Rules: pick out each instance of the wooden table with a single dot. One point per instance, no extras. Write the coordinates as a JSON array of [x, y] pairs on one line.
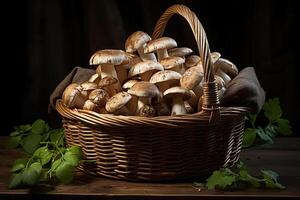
[[283, 157]]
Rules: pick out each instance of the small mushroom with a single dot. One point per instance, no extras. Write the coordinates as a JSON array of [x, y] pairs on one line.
[[180, 52], [117, 104], [227, 67], [188, 107], [72, 96], [90, 105], [99, 97], [161, 46], [137, 42], [177, 96], [145, 92], [191, 80], [147, 111], [127, 85], [95, 78], [165, 79], [220, 86], [145, 69], [193, 101], [87, 87], [215, 56], [224, 76], [173, 63], [109, 84]]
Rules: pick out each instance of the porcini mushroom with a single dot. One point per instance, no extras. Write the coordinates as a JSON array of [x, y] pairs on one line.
[[145, 69], [128, 84], [191, 80], [173, 63], [147, 111], [180, 52], [177, 96], [72, 96], [99, 97], [117, 104], [161, 46], [109, 84], [165, 79], [95, 78], [227, 67], [90, 105], [87, 87], [145, 91], [137, 42]]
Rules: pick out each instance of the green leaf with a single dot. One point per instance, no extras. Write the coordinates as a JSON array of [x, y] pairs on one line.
[[220, 179], [38, 127], [15, 133], [15, 181], [263, 135], [44, 154], [30, 175], [18, 165], [251, 118], [76, 150], [57, 136], [272, 109], [284, 127], [245, 176], [55, 164], [270, 178], [25, 128], [271, 130], [31, 143], [14, 141], [71, 158], [65, 172], [249, 137]]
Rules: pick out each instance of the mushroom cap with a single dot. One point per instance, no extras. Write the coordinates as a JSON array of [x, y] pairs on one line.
[[164, 76], [128, 84], [192, 61], [109, 56], [220, 82], [191, 78], [117, 101], [147, 111], [171, 62], [160, 43], [177, 91], [90, 105], [71, 92], [143, 67], [136, 40], [86, 86], [215, 56], [106, 81], [134, 59], [99, 97], [144, 89], [227, 67], [180, 51], [95, 78]]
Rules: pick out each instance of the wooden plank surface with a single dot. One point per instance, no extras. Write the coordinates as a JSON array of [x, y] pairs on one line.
[[283, 157]]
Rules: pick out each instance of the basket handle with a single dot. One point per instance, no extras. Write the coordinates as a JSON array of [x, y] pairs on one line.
[[210, 95]]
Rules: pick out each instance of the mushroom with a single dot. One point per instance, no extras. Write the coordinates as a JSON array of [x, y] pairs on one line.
[[165, 79], [191, 80], [72, 96], [224, 76], [127, 85], [180, 52], [161, 46], [90, 105], [215, 56], [122, 69], [177, 96], [173, 63], [117, 104], [137, 42], [161, 108], [147, 111], [99, 97], [193, 101], [87, 87], [145, 91], [227, 67], [145, 69], [109, 84], [95, 78]]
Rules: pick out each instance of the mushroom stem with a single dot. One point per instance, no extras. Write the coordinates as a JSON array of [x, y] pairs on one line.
[[178, 107], [161, 54], [108, 69], [146, 76], [141, 102], [121, 73], [146, 56], [163, 87]]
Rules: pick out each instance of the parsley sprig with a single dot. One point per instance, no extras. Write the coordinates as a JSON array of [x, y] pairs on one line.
[[48, 160], [276, 125]]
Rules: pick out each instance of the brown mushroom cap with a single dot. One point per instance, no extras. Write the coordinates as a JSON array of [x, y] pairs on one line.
[[180, 51], [107, 81], [110, 56], [87, 86], [72, 94], [215, 56], [128, 84], [164, 76], [192, 61], [220, 82], [90, 105], [95, 78], [171, 62], [143, 67], [147, 111], [99, 97], [136, 40], [117, 101], [177, 91], [144, 89], [191, 78], [160, 43], [226, 66]]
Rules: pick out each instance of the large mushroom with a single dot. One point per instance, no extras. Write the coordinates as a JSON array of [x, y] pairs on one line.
[[137, 42], [99, 97], [117, 104], [128, 84], [177, 96], [145, 69], [145, 92], [72, 96], [165, 79], [191, 80], [180, 52], [173, 63], [161, 46]]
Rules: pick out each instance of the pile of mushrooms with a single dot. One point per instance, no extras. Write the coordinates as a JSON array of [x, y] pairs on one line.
[[150, 78]]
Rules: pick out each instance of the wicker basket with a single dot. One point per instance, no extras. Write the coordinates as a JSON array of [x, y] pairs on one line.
[[165, 147]]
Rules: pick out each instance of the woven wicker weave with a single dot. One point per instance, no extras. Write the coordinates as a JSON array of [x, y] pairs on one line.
[[164, 147]]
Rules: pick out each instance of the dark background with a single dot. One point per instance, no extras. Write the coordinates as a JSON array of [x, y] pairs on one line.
[[43, 40]]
